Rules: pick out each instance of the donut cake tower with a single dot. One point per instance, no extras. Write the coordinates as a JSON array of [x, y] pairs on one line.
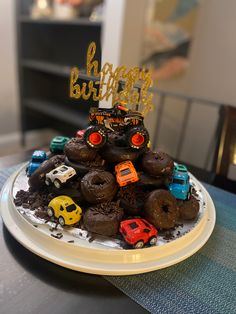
[[108, 181]]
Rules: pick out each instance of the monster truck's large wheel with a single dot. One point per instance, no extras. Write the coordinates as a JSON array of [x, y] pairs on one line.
[[137, 137], [95, 136]]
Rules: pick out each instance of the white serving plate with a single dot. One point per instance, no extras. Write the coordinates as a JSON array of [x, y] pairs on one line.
[[97, 258]]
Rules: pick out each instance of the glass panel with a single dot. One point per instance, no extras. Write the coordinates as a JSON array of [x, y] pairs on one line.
[[133, 225], [124, 172], [71, 208], [178, 181]]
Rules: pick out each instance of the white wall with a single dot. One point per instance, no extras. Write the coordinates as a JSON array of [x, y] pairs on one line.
[[213, 57], [8, 83], [121, 34], [211, 75]]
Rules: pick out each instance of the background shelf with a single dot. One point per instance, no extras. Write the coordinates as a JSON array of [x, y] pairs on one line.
[[47, 50], [55, 69], [81, 21], [80, 120]]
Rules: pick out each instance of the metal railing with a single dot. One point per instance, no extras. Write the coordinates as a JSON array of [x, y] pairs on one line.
[[190, 102]]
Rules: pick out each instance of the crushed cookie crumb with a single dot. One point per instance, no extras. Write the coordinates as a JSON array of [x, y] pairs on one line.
[[57, 236]]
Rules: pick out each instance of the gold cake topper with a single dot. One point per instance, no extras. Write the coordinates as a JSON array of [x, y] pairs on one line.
[[120, 84]]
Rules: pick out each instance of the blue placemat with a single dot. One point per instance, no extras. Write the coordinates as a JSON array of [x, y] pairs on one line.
[[204, 283], [5, 173]]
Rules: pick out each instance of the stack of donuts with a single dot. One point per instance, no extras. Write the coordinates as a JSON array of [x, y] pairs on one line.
[[104, 203]]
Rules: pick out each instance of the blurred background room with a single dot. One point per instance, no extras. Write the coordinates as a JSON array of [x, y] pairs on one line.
[[188, 45]]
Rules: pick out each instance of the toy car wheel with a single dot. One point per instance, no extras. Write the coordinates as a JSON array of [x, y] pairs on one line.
[[189, 193], [47, 182], [153, 240], [57, 183], [61, 221], [50, 212], [137, 137], [139, 244], [95, 136]]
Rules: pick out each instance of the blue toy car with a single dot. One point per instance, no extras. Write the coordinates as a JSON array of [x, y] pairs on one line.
[[38, 157], [180, 187]]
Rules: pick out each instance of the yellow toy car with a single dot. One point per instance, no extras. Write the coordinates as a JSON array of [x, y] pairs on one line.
[[65, 209]]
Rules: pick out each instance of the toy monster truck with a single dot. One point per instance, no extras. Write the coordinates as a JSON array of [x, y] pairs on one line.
[[103, 120]]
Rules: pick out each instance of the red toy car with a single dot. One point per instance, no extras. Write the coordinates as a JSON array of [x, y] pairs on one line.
[[80, 133], [138, 232]]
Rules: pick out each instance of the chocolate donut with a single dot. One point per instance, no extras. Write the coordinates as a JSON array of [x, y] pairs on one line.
[[98, 186], [76, 150], [116, 138], [188, 209], [157, 163], [161, 209], [71, 188], [37, 179], [104, 218], [145, 180], [132, 199], [84, 167], [115, 154]]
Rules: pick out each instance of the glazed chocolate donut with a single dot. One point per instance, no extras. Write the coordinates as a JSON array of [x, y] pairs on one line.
[[76, 150], [188, 209], [37, 179], [71, 188], [84, 167], [115, 154], [98, 186], [161, 209], [132, 199], [157, 163], [104, 218], [80, 169], [117, 139], [146, 180]]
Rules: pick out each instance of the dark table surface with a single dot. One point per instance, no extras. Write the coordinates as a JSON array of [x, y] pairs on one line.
[[29, 284]]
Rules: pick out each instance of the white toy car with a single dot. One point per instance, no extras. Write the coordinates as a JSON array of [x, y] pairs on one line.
[[60, 175]]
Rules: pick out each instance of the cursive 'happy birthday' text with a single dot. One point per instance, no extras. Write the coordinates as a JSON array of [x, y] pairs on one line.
[[120, 83]]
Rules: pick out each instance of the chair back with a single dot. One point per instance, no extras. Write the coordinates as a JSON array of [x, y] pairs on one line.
[[226, 146]]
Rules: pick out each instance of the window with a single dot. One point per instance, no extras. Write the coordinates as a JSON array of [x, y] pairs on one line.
[[178, 181], [63, 168], [146, 223], [146, 230], [61, 208], [71, 208], [58, 140], [133, 225], [124, 172], [55, 172]]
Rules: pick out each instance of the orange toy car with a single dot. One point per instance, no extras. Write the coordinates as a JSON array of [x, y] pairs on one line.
[[126, 173]]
